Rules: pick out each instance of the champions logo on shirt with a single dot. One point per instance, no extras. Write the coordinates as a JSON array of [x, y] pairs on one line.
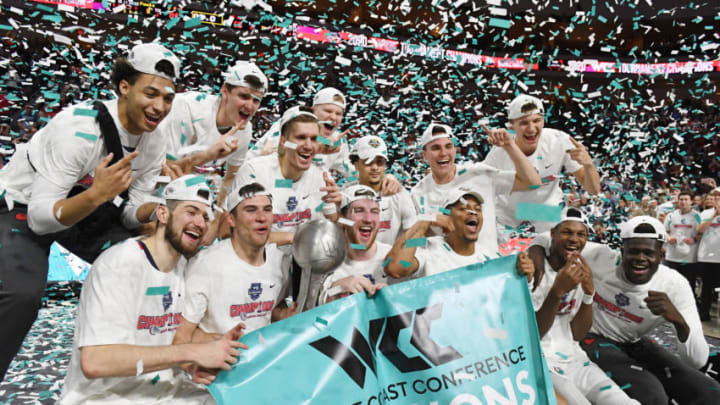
[[167, 300], [255, 290], [566, 306], [157, 324], [292, 203], [292, 219], [615, 311], [622, 300], [384, 224], [252, 309]]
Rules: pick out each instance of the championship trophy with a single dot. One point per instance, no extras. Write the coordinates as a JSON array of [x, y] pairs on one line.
[[319, 246]]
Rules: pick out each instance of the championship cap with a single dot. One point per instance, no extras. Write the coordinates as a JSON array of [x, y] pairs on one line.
[[189, 188], [234, 197], [628, 229], [369, 147], [246, 74], [435, 131], [145, 57], [294, 112], [458, 194], [328, 95], [355, 193], [515, 107], [574, 214]]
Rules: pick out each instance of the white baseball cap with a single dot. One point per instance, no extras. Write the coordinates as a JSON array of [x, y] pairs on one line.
[[294, 112], [237, 75], [189, 188], [628, 229], [458, 194], [234, 198], [439, 130], [145, 57], [327, 96], [574, 214], [514, 110], [369, 147], [357, 192]]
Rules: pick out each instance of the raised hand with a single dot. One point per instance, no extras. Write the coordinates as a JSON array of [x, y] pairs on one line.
[[330, 149], [498, 136], [525, 265], [112, 180], [390, 185], [579, 153], [332, 191], [568, 276]]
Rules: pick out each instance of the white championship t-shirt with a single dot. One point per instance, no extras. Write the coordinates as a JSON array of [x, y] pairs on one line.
[[224, 290], [127, 300], [294, 202], [621, 314], [338, 161], [709, 249], [65, 153], [397, 214], [679, 226], [193, 127], [558, 344], [549, 159], [479, 177], [438, 257], [372, 269]]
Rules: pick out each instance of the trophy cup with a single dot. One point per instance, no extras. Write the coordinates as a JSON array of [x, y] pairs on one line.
[[319, 246]]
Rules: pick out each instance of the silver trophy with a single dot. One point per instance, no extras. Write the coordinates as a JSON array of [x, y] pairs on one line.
[[319, 246]]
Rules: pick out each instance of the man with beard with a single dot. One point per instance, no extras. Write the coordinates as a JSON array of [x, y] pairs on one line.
[[130, 306], [64, 186], [239, 279], [633, 296], [199, 121], [550, 152], [438, 150], [458, 248], [362, 269], [563, 309], [397, 212]]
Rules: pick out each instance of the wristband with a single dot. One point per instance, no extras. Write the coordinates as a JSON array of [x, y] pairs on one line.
[[587, 299]]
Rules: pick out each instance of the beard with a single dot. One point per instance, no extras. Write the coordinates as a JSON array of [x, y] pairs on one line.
[[175, 240]]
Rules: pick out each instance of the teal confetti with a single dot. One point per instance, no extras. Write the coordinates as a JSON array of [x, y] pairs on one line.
[[386, 262], [155, 379], [283, 183], [86, 112], [358, 246], [157, 290], [195, 180], [416, 242], [538, 212], [89, 137], [500, 23], [405, 263]]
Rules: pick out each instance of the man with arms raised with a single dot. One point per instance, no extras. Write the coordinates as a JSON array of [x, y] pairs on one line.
[[459, 247], [633, 296], [550, 152], [71, 153], [438, 150], [563, 309], [130, 306], [362, 269], [239, 279], [397, 212]]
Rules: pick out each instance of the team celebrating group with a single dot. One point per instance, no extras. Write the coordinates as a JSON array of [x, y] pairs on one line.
[[161, 313]]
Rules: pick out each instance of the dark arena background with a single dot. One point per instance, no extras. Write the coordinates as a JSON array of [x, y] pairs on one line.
[[635, 81]]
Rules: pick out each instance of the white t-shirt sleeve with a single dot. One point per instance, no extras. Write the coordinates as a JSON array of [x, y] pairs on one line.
[[142, 187], [694, 350], [543, 240], [493, 157], [504, 180], [538, 296], [243, 140], [105, 315], [408, 215], [41, 218], [196, 291]]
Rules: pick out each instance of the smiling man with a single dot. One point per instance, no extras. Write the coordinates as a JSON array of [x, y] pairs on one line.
[[563, 309], [362, 269], [438, 150], [551, 152], [198, 121], [301, 191], [634, 294], [456, 249], [329, 107], [239, 279], [130, 306], [67, 173]]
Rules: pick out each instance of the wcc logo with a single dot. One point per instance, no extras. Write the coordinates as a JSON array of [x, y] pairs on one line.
[[356, 359], [292, 203], [622, 300], [255, 290], [167, 300]]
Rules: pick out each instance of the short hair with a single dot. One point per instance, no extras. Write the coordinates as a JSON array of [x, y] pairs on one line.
[[254, 82], [359, 193], [123, 70], [300, 118], [528, 107], [685, 192], [247, 192]]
